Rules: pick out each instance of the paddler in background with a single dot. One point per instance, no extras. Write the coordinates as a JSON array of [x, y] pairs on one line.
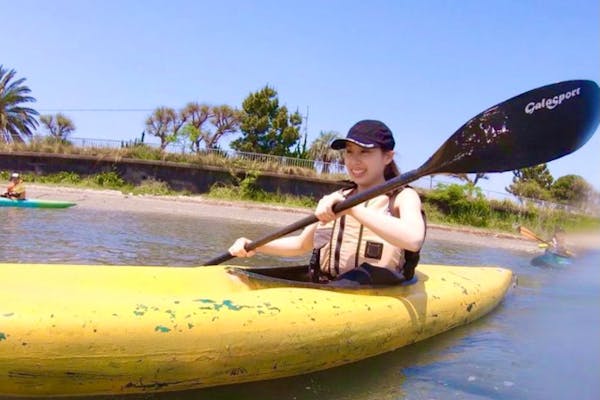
[[558, 243], [16, 188]]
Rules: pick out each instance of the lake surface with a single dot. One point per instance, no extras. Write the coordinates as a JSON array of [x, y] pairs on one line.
[[542, 342]]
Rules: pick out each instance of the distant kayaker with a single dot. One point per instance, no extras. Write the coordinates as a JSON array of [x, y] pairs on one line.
[[16, 187], [558, 243], [375, 242]]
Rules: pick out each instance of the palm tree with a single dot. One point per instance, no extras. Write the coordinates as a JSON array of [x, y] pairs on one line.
[[226, 120], [16, 122], [320, 150], [164, 123], [59, 125], [196, 115]]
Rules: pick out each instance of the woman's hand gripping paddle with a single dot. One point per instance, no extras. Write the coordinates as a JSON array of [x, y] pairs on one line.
[[530, 129]]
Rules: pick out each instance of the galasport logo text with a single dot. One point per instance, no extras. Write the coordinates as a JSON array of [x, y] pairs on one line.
[[551, 102]]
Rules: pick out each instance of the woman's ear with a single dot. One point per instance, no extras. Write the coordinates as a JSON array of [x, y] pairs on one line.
[[388, 156]]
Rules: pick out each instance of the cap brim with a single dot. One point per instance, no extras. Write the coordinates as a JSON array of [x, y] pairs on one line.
[[339, 144]]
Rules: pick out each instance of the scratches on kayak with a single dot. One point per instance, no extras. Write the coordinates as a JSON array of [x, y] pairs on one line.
[[470, 306], [238, 371], [231, 306], [228, 304], [160, 385], [70, 375], [22, 375], [210, 301], [140, 309], [2, 336], [162, 329], [461, 286]]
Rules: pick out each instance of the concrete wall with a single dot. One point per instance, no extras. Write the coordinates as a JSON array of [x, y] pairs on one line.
[[193, 178]]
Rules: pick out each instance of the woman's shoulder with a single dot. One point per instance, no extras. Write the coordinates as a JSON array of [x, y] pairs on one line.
[[407, 191], [407, 194]]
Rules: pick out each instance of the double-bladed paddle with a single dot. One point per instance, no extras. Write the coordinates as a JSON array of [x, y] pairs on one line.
[[528, 233], [532, 128], [531, 235]]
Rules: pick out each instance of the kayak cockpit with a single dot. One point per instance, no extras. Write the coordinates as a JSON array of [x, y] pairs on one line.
[[297, 276]]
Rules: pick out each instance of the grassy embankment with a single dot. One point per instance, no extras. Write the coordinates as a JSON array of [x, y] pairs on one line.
[[460, 205]]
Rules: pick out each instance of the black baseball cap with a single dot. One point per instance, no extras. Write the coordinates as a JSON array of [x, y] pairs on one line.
[[367, 133]]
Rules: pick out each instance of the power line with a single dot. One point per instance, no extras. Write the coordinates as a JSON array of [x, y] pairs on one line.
[[96, 110]]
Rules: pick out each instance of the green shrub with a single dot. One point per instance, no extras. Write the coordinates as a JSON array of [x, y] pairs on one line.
[[154, 187], [463, 204], [110, 180]]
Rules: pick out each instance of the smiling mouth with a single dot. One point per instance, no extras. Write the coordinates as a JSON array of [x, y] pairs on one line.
[[358, 172]]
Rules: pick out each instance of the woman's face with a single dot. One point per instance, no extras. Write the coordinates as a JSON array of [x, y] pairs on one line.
[[366, 166]]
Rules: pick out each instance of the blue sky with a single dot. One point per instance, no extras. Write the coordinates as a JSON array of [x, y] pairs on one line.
[[422, 67]]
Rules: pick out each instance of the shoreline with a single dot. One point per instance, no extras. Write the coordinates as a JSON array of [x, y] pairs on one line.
[[198, 206]]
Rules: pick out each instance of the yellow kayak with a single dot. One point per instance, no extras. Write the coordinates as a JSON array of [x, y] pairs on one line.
[[84, 330]]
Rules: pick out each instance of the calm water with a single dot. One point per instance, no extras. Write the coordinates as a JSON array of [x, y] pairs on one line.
[[541, 343]]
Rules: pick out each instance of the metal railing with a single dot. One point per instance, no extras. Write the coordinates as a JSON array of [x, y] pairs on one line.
[[319, 167]]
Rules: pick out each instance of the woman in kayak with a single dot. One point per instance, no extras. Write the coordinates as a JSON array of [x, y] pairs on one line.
[[375, 242], [16, 188]]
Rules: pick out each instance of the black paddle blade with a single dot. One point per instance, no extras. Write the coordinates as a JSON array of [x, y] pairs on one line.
[[530, 129]]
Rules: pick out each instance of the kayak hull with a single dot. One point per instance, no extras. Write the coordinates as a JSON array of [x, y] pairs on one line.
[[34, 203], [87, 330], [550, 259]]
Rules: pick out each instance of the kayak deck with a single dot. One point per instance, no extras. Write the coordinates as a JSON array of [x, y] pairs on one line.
[[82, 330], [551, 259], [35, 203]]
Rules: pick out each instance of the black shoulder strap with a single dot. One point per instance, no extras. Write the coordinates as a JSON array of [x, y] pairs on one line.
[[411, 258]]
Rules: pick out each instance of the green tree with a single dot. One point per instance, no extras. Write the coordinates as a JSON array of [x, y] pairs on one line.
[[59, 126], [266, 127], [165, 123], [196, 115], [320, 150], [530, 190], [301, 150], [532, 182], [571, 189], [16, 121]]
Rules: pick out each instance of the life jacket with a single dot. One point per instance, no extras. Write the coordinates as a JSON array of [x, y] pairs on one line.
[[16, 190], [344, 245]]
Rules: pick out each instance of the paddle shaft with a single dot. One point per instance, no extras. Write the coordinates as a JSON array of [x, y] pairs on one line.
[[338, 207]]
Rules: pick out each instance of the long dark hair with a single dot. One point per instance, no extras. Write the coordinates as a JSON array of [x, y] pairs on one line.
[[391, 171]]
